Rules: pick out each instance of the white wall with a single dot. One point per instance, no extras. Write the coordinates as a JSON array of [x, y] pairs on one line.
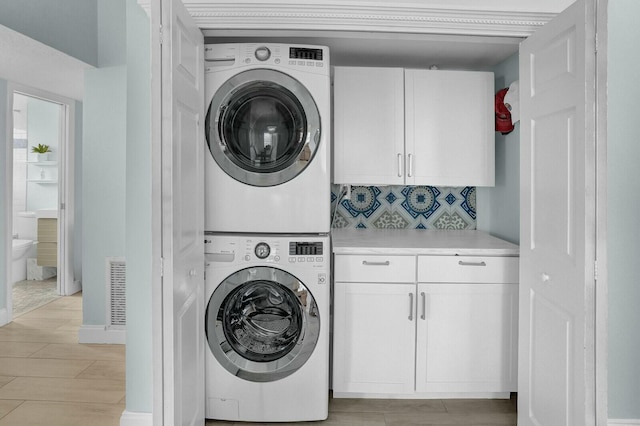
[[104, 161], [43, 127], [498, 207], [4, 239], [623, 190], [138, 212], [66, 25]]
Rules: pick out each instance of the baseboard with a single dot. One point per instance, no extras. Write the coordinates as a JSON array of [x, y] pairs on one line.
[[132, 418], [101, 334], [4, 317], [623, 422], [75, 287]]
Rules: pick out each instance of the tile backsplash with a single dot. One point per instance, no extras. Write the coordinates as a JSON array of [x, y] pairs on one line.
[[404, 207]]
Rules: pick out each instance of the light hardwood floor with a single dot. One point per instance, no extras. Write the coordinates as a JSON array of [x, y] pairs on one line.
[[433, 412], [47, 378]]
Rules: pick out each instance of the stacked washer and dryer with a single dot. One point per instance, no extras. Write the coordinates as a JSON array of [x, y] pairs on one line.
[[267, 223]]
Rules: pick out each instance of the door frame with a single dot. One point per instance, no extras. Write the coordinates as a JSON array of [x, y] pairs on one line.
[[499, 27], [601, 303], [66, 284]]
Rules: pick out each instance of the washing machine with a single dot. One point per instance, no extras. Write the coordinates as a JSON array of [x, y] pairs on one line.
[[267, 327], [267, 133]]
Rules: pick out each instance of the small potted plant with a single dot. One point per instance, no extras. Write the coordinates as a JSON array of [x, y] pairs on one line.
[[41, 151]]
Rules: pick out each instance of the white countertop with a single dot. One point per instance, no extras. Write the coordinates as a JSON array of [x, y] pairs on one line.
[[416, 241]]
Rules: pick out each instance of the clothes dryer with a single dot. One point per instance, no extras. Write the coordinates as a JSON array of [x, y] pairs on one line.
[[267, 130], [267, 327]]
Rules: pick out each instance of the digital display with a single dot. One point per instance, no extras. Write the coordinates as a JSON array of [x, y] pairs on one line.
[[305, 249], [304, 53]]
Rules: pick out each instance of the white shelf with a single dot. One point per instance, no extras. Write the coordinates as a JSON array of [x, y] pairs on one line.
[[42, 181], [43, 163]]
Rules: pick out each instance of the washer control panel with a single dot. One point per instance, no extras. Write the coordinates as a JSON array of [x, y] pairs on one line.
[[310, 251]]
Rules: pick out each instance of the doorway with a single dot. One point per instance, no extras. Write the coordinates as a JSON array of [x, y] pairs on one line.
[[40, 202]]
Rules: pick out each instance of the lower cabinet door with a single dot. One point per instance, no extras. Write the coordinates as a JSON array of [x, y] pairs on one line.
[[466, 338], [374, 338]]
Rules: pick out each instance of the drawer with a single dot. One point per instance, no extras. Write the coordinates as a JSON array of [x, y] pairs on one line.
[[467, 269], [47, 230], [47, 254], [375, 268]]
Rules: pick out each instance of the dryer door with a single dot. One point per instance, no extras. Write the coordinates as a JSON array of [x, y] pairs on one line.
[[262, 324], [263, 127]]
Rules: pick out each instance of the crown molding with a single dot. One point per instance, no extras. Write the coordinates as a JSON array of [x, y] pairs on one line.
[[352, 16]]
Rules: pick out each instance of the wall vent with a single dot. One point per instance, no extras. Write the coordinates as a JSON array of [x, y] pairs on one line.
[[116, 292]]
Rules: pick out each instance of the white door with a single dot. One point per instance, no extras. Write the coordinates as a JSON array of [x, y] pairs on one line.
[[368, 126], [557, 236], [182, 69], [465, 337], [449, 128], [374, 338]]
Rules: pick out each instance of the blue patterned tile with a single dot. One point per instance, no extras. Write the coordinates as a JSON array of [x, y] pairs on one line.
[[469, 203], [389, 219], [411, 207], [420, 200], [364, 201], [450, 198], [450, 221], [391, 197]]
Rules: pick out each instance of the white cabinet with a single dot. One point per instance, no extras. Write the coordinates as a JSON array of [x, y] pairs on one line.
[[374, 324], [416, 127], [374, 338], [467, 338], [425, 326], [449, 128], [368, 125]]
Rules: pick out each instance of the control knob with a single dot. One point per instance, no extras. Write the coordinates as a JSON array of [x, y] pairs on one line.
[[262, 53]]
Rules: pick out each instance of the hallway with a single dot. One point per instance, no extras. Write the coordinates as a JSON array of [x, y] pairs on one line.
[[47, 378]]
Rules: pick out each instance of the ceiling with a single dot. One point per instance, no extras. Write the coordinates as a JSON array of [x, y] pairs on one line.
[[23, 59], [388, 49]]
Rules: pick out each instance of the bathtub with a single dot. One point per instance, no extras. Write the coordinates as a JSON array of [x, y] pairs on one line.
[[19, 252]]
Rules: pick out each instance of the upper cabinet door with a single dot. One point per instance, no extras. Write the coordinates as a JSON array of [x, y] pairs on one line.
[[450, 138], [368, 126]]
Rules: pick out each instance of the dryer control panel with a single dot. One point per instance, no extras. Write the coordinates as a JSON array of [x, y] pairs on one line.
[[308, 58]]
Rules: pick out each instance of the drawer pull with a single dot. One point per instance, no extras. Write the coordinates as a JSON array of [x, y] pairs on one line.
[[424, 306], [410, 306], [462, 263], [367, 263]]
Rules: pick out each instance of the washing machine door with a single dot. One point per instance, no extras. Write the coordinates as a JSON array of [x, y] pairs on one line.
[[263, 127], [262, 324]]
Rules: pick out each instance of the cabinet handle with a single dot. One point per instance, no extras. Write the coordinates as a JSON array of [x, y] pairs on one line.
[[367, 263], [424, 306], [410, 165], [410, 306], [461, 263], [399, 165]]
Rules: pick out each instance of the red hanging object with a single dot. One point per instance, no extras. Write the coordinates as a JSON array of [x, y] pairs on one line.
[[503, 115]]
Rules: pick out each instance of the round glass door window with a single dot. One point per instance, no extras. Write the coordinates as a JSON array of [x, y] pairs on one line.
[[262, 127], [262, 324]]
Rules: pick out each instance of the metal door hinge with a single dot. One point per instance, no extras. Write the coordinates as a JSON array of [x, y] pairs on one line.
[[596, 47], [162, 266], [161, 31], [595, 270]]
